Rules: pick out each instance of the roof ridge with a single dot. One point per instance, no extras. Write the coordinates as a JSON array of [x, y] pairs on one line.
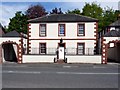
[[63, 17], [61, 14], [87, 16]]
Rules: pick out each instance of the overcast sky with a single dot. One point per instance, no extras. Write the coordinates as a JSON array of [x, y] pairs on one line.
[[8, 9]]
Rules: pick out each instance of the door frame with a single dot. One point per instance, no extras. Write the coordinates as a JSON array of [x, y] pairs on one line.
[[12, 44], [64, 44]]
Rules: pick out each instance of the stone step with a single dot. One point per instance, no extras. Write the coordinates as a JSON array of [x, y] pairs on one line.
[[60, 61]]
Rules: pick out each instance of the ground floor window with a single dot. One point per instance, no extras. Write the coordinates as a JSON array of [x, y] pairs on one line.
[[42, 48], [80, 48]]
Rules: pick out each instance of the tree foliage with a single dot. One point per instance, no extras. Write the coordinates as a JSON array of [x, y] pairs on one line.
[[95, 11], [105, 16], [117, 13], [35, 11], [18, 23], [92, 10], [75, 11], [56, 11], [108, 17]]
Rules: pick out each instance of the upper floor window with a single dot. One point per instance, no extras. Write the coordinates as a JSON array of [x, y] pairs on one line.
[[42, 29], [81, 29], [61, 30], [80, 48]]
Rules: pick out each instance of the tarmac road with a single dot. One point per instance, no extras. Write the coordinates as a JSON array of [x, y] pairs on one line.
[[59, 76]]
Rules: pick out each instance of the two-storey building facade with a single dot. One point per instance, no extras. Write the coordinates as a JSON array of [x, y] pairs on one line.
[[78, 34]]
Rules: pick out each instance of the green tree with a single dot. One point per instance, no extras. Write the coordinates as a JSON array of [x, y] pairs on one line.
[[95, 11], [108, 17], [117, 13], [18, 23], [75, 11], [92, 10], [56, 11]]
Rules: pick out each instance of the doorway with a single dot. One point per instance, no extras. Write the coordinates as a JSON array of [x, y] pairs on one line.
[[113, 53], [9, 52], [61, 51]]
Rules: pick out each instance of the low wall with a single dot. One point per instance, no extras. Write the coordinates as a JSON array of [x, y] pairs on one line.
[[70, 59], [84, 59], [38, 58]]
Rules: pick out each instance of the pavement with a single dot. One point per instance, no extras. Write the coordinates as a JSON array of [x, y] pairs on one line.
[[60, 75]]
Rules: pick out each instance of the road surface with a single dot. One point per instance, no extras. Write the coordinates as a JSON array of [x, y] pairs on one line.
[[59, 76]]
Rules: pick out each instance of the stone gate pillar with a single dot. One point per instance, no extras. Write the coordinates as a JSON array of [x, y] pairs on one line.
[[104, 51], [20, 51], [0, 53]]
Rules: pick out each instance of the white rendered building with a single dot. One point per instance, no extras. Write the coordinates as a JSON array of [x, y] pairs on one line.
[[67, 38]]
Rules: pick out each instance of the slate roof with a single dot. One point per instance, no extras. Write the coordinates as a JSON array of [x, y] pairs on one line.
[[116, 23], [1, 25], [63, 18], [12, 34], [2, 28], [113, 33]]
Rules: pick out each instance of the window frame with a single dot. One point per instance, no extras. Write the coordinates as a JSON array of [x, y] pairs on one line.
[[40, 30], [82, 49], [40, 48], [83, 29], [59, 29]]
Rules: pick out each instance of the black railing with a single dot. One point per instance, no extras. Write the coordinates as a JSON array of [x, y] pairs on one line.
[[68, 51], [75, 51], [36, 51]]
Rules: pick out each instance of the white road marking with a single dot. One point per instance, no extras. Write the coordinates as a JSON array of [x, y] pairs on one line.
[[98, 67], [66, 66], [16, 66], [69, 66], [87, 73], [47, 72], [10, 71], [22, 72]]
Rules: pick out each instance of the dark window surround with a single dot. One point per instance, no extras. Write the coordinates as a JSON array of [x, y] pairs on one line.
[[78, 29], [59, 29], [45, 30], [40, 48], [83, 48]]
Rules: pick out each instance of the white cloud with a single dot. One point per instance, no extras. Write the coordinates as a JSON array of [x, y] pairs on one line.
[[80, 5], [8, 11], [72, 5], [60, 0]]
